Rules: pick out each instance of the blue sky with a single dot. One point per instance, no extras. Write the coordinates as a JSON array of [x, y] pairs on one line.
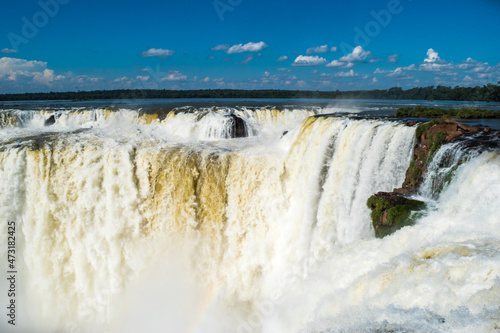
[[65, 45]]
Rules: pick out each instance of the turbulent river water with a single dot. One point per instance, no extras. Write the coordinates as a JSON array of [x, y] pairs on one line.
[[130, 221]]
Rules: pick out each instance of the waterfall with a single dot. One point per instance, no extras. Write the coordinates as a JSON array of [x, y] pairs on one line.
[[120, 211]]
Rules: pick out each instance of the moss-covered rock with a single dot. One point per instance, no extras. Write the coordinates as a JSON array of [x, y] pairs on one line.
[[423, 128], [378, 206], [392, 211], [430, 137]]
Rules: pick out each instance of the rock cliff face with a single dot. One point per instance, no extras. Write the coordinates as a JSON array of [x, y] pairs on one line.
[[392, 211], [430, 137], [239, 128]]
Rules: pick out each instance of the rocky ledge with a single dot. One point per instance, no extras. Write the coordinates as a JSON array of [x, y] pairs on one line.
[[393, 210], [430, 137]]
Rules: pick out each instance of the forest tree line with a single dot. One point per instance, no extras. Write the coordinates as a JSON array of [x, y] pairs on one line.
[[488, 93]]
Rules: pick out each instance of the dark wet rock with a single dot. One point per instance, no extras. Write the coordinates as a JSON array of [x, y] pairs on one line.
[[402, 191], [239, 127], [50, 121], [392, 211], [35, 142]]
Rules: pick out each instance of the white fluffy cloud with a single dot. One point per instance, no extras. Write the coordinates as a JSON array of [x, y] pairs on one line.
[[219, 81], [19, 75], [22, 71], [248, 47], [481, 70], [470, 64], [399, 73], [467, 80], [308, 61], [432, 56], [346, 74], [247, 59], [47, 76], [174, 76], [282, 58], [13, 67], [160, 53], [433, 69], [357, 55], [121, 79], [393, 59], [412, 67], [85, 79], [434, 63], [318, 49], [6, 50], [221, 47], [475, 66], [334, 49], [340, 64], [396, 73], [278, 80]]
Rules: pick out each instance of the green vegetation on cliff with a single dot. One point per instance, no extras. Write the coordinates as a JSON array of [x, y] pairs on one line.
[[423, 128], [435, 142], [377, 206], [413, 173]]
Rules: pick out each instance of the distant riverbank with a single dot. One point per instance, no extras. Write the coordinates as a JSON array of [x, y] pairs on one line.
[[487, 93]]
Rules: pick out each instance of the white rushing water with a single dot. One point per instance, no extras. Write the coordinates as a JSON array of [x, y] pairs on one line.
[[129, 222]]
